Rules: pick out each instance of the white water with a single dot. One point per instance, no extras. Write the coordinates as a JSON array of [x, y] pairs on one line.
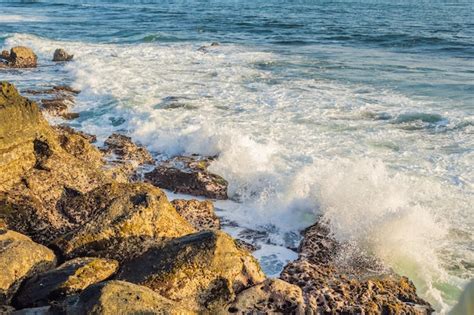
[[292, 148]]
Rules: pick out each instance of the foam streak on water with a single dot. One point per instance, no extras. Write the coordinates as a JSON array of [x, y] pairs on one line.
[[392, 173]]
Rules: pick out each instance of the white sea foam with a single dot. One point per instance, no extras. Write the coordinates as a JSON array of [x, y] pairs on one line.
[[294, 148], [13, 18]]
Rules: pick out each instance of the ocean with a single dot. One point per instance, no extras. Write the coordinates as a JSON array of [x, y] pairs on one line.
[[359, 112]]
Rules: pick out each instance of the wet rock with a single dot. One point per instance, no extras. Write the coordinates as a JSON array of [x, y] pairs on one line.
[[202, 271], [20, 57], [125, 220], [44, 310], [5, 55], [246, 245], [70, 278], [205, 48], [119, 297], [200, 214], [61, 55], [334, 286], [37, 173], [65, 129], [188, 175], [124, 157], [20, 258], [67, 90], [273, 296], [59, 107]]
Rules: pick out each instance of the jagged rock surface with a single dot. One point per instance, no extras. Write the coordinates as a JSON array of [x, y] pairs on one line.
[[203, 271], [125, 219], [188, 175], [37, 173], [200, 214], [20, 57], [331, 286], [61, 55]]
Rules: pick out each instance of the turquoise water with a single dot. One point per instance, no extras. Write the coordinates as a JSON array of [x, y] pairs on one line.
[[360, 111]]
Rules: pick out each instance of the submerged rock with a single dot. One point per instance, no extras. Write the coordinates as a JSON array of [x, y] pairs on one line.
[[200, 214], [37, 173], [20, 258], [124, 157], [203, 271], [331, 286], [61, 55], [119, 297], [188, 175], [273, 296], [125, 219], [20, 57], [59, 107], [70, 278]]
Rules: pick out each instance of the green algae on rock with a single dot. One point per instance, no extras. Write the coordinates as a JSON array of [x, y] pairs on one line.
[[203, 271], [70, 278], [125, 219], [20, 258]]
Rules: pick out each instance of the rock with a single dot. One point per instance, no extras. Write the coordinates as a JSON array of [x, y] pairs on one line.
[[22, 57], [124, 157], [66, 130], [70, 278], [65, 89], [126, 218], [273, 296], [331, 285], [188, 175], [37, 173], [59, 107], [20, 258], [202, 271], [119, 297], [61, 55], [200, 214], [5, 55], [246, 245]]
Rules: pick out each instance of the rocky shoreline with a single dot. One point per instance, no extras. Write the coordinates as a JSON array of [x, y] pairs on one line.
[[81, 232]]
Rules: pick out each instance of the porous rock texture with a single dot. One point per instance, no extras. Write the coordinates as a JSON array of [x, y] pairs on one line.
[[273, 296], [202, 271], [124, 157], [189, 175], [20, 258], [120, 297], [200, 214], [37, 173], [331, 287]]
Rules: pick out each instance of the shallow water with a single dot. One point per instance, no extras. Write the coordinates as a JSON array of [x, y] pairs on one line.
[[358, 111]]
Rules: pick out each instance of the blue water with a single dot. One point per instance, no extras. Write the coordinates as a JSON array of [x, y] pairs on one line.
[[360, 111]]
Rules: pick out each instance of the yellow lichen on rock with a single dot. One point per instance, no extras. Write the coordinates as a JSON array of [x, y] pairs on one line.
[[20, 257]]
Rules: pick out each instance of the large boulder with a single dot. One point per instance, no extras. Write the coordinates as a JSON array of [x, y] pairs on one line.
[[124, 157], [62, 55], [273, 296], [188, 175], [332, 285], [70, 278], [125, 219], [20, 57], [119, 297], [202, 271], [20, 258], [41, 169], [200, 214]]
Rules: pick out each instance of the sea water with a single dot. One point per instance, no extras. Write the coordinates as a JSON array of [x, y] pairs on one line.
[[361, 112]]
